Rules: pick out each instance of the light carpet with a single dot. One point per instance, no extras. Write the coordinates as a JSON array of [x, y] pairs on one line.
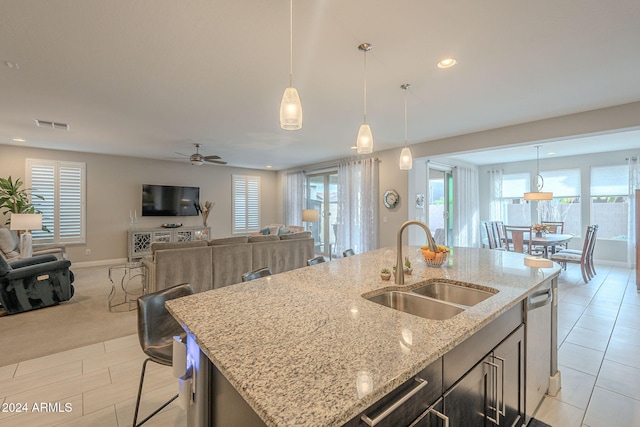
[[83, 320]]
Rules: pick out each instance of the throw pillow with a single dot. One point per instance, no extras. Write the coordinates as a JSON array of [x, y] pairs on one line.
[[264, 231], [8, 243], [283, 231]]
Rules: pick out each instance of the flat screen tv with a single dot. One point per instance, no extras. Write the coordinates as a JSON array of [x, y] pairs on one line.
[[169, 200]]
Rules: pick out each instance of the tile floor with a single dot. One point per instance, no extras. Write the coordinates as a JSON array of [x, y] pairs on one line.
[[598, 336]]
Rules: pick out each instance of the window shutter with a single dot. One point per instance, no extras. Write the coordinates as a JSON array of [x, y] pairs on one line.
[[246, 203], [62, 185]]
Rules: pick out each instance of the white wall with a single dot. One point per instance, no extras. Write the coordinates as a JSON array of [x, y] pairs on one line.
[[114, 186]]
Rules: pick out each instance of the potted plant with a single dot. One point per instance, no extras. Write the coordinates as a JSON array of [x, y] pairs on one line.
[[385, 274], [14, 198], [407, 265]]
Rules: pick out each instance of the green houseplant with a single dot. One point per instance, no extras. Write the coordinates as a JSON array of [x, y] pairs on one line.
[[14, 198]]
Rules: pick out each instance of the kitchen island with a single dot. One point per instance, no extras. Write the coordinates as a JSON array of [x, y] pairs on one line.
[[305, 348]]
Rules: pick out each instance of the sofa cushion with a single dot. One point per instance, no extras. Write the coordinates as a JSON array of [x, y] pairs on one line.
[[158, 246], [267, 238], [228, 240], [292, 236], [8, 243]]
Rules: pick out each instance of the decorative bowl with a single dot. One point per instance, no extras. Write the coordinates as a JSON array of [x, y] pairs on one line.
[[438, 261]]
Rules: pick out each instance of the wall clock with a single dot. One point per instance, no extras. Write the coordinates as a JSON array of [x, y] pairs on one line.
[[391, 198]]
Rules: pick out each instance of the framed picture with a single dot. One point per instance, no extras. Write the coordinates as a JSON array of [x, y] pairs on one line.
[[420, 201]]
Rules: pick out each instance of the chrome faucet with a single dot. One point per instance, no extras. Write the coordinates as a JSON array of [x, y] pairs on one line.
[[432, 245]]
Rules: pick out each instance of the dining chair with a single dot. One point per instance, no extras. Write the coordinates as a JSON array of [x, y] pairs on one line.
[[317, 260], [518, 238], [556, 227], [491, 237], [500, 235], [256, 274], [156, 329], [583, 257]]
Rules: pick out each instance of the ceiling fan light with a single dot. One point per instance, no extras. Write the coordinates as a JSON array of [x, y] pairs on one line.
[[538, 195], [364, 143], [406, 159], [196, 162], [290, 110]]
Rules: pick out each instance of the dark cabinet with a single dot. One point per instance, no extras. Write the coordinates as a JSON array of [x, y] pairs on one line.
[[509, 356]]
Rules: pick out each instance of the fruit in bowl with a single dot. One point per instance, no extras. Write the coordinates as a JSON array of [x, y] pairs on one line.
[[435, 258]]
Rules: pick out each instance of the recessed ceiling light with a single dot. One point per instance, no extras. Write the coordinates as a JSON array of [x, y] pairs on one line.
[[269, 166], [551, 153], [447, 63], [19, 140], [353, 147]]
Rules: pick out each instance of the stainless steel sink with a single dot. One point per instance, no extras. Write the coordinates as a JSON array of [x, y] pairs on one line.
[[416, 305], [457, 294]]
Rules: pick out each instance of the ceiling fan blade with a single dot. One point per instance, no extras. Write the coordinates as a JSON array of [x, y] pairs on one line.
[[220, 162], [214, 157]]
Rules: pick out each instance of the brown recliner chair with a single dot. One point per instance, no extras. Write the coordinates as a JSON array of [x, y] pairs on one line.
[[36, 282]]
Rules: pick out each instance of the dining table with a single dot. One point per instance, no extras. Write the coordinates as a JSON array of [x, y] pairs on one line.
[[548, 241]]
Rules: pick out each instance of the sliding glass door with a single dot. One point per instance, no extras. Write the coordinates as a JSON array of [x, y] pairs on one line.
[[440, 204], [322, 195]]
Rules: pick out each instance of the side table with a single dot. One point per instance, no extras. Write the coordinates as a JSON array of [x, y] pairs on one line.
[[129, 271]]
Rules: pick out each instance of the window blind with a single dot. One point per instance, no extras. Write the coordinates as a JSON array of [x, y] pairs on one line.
[[246, 203], [62, 185]]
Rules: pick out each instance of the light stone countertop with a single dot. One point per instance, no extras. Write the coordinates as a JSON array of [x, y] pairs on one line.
[[299, 346]]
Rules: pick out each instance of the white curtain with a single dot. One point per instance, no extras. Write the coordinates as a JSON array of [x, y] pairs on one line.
[[293, 189], [634, 184], [466, 214], [357, 220], [495, 195]]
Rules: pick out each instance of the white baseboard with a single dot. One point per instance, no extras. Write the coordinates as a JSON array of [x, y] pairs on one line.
[[98, 263]]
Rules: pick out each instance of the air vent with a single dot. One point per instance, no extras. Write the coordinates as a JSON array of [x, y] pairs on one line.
[[53, 125]]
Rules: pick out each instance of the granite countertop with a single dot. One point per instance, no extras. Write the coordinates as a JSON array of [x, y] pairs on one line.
[[305, 348]]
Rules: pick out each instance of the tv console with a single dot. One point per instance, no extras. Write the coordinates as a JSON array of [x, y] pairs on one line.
[[140, 239]]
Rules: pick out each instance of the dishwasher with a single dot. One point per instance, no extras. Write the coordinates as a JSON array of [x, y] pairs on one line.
[[541, 344]]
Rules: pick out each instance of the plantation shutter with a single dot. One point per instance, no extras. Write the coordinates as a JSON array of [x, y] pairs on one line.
[[246, 203], [62, 186]]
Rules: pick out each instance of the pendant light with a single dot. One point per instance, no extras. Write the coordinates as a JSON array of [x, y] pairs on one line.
[[406, 159], [364, 143], [538, 194], [291, 107]]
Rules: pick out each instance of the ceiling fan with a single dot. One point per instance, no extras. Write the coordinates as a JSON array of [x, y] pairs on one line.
[[198, 159]]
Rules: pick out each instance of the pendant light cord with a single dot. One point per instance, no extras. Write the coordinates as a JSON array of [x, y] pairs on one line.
[[291, 45], [405, 115], [365, 87]]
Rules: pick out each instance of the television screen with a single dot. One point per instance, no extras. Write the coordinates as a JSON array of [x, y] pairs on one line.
[[168, 200]]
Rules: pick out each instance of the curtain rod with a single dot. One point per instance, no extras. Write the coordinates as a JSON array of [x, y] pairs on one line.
[[328, 165]]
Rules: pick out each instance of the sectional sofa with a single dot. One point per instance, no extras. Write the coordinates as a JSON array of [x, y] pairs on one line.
[[221, 262]]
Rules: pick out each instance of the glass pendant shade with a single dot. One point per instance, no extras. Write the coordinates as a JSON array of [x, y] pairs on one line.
[[364, 142], [406, 159], [290, 110]]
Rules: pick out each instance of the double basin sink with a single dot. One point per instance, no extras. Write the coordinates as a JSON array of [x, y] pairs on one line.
[[436, 300]]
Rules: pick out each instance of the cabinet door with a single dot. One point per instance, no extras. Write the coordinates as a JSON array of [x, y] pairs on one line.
[[468, 402], [432, 417], [139, 244], [509, 355]]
